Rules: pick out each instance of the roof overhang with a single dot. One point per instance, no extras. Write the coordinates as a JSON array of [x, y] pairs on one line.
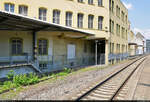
[[14, 22], [132, 43]]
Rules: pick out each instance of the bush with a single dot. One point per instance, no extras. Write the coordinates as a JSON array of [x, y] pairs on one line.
[[67, 70], [25, 80], [10, 74]]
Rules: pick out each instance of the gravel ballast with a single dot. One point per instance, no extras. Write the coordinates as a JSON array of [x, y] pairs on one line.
[[64, 89]]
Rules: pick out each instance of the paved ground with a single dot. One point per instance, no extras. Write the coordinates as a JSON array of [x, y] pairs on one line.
[[142, 91]]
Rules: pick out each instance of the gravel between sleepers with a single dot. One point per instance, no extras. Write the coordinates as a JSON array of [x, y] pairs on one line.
[[68, 87]]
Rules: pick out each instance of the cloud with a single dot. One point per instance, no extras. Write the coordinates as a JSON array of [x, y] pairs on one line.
[[144, 32], [129, 6]]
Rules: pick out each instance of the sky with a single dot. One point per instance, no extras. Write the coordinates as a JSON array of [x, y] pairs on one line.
[[139, 16]]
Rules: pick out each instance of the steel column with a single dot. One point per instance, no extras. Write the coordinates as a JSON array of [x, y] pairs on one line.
[[96, 41], [34, 46]]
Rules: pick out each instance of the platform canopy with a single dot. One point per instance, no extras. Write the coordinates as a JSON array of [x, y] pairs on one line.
[[14, 22]]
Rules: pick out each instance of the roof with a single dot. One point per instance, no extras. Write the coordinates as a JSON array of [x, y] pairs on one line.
[[12, 21]]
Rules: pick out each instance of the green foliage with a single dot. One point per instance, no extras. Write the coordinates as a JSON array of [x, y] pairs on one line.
[[18, 80], [24, 80], [67, 70], [10, 74]]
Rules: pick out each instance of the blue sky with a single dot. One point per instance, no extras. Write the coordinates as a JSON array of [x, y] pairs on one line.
[[139, 15]]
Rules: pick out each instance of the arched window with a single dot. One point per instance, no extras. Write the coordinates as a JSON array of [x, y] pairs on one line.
[[42, 47], [16, 46]]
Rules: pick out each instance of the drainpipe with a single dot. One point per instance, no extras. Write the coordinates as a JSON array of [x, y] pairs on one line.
[[96, 41]]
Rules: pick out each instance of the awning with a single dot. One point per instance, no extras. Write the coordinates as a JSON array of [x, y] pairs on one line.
[[14, 22]]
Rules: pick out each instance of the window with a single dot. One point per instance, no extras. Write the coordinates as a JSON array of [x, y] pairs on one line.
[[90, 21], [68, 19], [23, 10], [9, 7], [100, 22], [16, 46], [80, 20], [100, 2], [80, 1], [71, 50], [42, 47], [90, 2], [112, 26], [42, 14], [112, 6], [56, 16]]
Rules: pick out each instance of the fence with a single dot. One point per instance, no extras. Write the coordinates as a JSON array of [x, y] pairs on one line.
[[10, 60]]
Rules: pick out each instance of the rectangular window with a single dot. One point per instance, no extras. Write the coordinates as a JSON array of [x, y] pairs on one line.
[[71, 50], [100, 2], [23, 10], [80, 20], [16, 46], [112, 27], [90, 21], [9, 7], [42, 47], [56, 16], [68, 19], [112, 6], [100, 22], [42, 14], [90, 2]]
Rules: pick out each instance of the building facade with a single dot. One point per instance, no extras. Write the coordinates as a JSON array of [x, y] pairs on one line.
[[141, 44], [132, 44], [119, 28], [106, 20], [147, 46]]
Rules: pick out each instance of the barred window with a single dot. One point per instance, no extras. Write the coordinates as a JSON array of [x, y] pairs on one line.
[[16, 46], [43, 47], [42, 14], [100, 2], [100, 22], [56, 16], [68, 19], [23, 10], [80, 20], [90, 21], [90, 2], [9, 7]]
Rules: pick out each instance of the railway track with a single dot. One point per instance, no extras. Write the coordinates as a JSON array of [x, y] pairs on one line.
[[114, 87]]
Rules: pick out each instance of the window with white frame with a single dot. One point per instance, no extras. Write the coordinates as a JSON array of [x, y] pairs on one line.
[[100, 22], [80, 20], [71, 51], [90, 21], [68, 19], [23, 10], [42, 14], [56, 16], [16, 46], [90, 2], [100, 2], [9, 7], [42, 46]]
